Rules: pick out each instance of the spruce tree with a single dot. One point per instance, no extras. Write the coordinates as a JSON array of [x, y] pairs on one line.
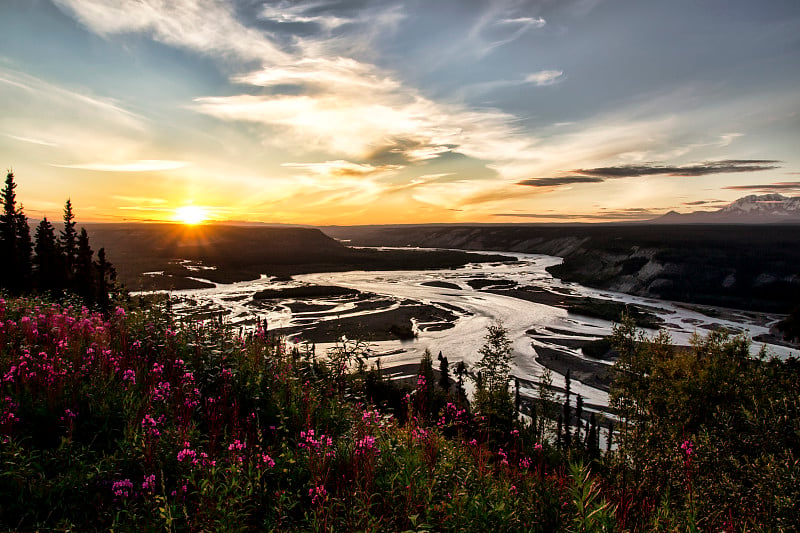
[[567, 415], [47, 262], [578, 419], [591, 438], [84, 269], [15, 241], [444, 373], [68, 241], [106, 275]]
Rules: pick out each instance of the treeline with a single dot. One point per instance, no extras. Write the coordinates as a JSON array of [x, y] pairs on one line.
[[50, 263]]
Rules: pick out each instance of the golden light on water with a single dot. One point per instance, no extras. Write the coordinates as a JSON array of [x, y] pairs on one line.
[[191, 215]]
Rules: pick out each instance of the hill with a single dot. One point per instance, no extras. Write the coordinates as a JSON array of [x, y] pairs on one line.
[[173, 256], [754, 267]]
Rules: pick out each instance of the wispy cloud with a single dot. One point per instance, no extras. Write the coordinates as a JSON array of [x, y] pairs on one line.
[[557, 182], [705, 202], [342, 168], [60, 95], [600, 174], [31, 140], [545, 77], [486, 33], [142, 165], [302, 13], [207, 26], [767, 187], [634, 213], [140, 199], [699, 169]]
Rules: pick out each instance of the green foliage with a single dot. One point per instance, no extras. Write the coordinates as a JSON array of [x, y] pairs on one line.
[[493, 399], [710, 428], [134, 422], [592, 512]]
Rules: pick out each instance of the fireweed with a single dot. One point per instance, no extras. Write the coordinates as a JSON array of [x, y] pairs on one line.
[[137, 422]]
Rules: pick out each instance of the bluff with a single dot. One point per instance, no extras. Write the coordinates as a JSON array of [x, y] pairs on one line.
[[754, 267], [174, 256]]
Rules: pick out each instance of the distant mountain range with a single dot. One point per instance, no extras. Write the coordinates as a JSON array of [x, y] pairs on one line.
[[752, 209]]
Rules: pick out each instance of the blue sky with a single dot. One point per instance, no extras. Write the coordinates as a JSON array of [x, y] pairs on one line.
[[358, 111]]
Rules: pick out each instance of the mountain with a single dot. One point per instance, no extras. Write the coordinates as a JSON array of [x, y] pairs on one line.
[[752, 209]]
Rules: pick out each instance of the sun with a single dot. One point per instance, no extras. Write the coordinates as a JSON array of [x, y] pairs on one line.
[[191, 215]]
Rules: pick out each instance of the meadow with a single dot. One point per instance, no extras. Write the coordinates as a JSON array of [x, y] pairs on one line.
[[132, 421]]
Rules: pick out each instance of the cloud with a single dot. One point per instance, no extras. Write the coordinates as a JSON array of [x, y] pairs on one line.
[[600, 174], [295, 13], [342, 168], [142, 165], [767, 187], [700, 169], [491, 29], [706, 202], [40, 89], [207, 26], [557, 182], [31, 140], [635, 213], [545, 77], [140, 199]]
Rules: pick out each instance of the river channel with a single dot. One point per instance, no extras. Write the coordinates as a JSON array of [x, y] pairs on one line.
[[533, 327]]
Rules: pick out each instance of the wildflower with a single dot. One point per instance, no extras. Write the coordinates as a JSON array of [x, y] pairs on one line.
[[687, 448], [186, 454], [365, 445], [525, 462], [513, 489], [318, 494], [123, 488], [503, 455], [149, 482], [237, 445], [129, 375], [267, 460]]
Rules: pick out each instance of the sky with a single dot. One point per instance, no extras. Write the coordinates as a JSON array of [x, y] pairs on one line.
[[383, 111]]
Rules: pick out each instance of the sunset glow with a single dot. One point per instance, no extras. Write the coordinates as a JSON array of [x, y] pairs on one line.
[[380, 111], [191, 215]]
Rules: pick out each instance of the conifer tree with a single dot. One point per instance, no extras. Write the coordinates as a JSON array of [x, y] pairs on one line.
[[106, 275], [567, 415], [15, 241], [591, 436], [444, 373], [492, 397], [578, 419], [68, 240], [47, 262], [84, 271], [495, 362]]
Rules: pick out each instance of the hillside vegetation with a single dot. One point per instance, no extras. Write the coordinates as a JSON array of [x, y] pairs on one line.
[[135, 422]]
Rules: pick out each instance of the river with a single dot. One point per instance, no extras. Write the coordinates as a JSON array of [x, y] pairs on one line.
[[477, 309]]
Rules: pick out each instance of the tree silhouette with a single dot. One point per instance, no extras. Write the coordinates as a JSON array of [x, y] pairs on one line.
[[106, 275], [47, 262], [444, 373], [68, 240], [84, 271], [15, 241]]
